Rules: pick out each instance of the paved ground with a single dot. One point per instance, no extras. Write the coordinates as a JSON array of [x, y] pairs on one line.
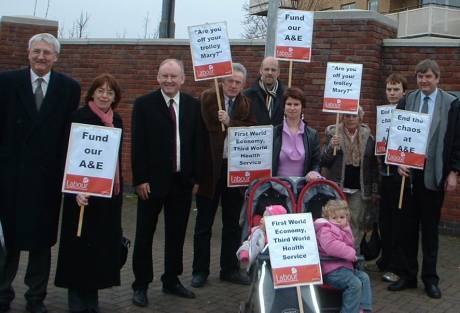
[[222, 297]]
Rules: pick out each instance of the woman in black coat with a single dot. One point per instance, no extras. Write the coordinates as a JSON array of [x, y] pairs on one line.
[[296, 149], [92, 261]]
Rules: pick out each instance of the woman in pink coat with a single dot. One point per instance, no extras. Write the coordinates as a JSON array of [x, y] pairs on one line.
[[335, 239]]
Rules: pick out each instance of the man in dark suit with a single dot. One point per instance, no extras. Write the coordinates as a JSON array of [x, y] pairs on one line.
[[440, 174], [236, 111], [35, 108], [166, 127], [266, 94]]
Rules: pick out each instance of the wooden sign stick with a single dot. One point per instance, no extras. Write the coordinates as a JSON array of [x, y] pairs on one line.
[[299, 297], [401, 193], [336, 131], [80, 220], [290, 74], [219, 104]]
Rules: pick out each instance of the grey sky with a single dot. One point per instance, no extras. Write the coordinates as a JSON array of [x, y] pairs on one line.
[[117, 18]]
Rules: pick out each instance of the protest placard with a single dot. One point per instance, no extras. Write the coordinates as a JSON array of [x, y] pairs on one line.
[[249, 154], [91, 161], [293, 250], [408, 138], [210, 50], [343, 87], [384, 113], [294, 35]]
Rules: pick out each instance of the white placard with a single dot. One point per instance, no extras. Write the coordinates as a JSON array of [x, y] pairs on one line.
[[91, 161], [293, 249], [382, 128], [294, 34], [408, 139], [249, 154], [343, 88], [210, 48]]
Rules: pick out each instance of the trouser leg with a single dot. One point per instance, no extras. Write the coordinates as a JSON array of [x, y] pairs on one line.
[[146, 221], [11, 268], [232, 201], [357, 208], [176, 213], [37, 274], [203, 230]]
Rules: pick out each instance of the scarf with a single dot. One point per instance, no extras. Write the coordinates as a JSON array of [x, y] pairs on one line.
[[107, 120], [270, 95], [351, 145]]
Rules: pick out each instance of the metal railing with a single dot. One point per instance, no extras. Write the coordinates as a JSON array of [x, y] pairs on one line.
[[431, 20]]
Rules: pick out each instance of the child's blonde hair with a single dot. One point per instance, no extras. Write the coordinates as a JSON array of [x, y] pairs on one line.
[[333, 206]]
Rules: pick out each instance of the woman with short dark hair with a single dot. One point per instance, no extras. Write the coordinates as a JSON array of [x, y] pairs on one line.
[[92, 261], [296, 149]]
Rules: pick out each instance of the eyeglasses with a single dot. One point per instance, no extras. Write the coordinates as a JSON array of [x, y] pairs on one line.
[[107, 92]]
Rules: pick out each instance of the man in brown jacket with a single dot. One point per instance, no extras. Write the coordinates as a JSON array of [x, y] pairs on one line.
[[213, 183]]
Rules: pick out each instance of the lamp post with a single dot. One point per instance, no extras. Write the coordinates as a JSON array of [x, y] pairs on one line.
[[167, 25]]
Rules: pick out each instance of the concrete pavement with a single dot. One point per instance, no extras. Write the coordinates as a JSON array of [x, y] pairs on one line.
[[223, 297]]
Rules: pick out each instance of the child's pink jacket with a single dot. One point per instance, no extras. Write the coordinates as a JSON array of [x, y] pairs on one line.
[[337, 242]]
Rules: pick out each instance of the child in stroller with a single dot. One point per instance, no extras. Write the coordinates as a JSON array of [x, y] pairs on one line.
[[335, 239], [257, 240]]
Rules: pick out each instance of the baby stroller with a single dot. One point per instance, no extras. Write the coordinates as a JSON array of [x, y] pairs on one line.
[[262, 296], [311, 199]]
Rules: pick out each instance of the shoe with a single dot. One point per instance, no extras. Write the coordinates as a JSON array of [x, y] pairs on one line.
[[178, 290], [36, 307], [390, 277], [235, 277], [4, 307], [402, 284], [433, 291], [198, 280], [140, 297]]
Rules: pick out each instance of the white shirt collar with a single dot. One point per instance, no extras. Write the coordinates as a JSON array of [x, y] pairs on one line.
[[33, 77], [167, 98]]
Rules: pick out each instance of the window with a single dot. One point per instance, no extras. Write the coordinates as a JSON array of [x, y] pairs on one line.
[[348, 6], [373, 5]]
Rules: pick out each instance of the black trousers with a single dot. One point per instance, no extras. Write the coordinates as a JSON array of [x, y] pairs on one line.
[[176, 212], [231, 200], [423, 217], [391, 223], [37, 274]]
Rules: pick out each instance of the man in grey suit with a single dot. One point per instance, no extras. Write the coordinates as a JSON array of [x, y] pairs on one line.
[[35, 108], [440, 174]]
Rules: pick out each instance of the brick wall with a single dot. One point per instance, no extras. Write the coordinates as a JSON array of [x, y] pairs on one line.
[[338, 37]]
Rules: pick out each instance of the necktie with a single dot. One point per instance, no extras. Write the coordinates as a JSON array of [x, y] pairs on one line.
[[425, 104], [231, 105], [172, 112], [39, 93]]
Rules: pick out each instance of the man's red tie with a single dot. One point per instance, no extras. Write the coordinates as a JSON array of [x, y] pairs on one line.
[[172, 112]]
